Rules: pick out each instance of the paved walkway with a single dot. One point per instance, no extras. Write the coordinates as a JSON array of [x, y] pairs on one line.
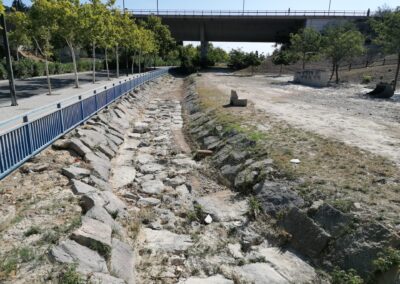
[[32, 93]]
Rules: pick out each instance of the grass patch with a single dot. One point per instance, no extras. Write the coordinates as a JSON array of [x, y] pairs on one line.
[[387, 260], [346, 277], [254, 207], [34, 230], [9, 263], [70, 276]]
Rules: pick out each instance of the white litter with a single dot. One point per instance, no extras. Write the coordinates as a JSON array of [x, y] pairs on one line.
[[295, 161], [208, 219]]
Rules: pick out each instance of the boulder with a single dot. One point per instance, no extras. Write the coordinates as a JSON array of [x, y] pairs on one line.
[[259, 273], [148, 201], [307, 236], [100, 214], [223, 207], [152, 187], [99, 183], [275, 197], [140, 127], [235, 101], [151, 168], [122, 261], [112, 203], [73, 172], [87, 260], [80, 188], [332, 220], [94, 234], [78, 147], [166, 241], [101, 167], [123, 176]]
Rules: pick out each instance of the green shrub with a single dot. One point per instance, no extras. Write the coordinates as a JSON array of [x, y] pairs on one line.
[[70, 276], [3, 72], [38, 69], [366, 79], [346, 277], [387, 260]]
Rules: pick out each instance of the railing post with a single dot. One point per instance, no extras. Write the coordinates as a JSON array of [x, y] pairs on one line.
[[60, 111], [81, 104], [114, 91], [28, 131], [96, 103]]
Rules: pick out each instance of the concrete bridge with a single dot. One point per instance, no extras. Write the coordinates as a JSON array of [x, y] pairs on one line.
[[245, 26]]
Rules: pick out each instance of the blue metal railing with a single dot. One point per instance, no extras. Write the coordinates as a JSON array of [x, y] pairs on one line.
[[30, 137]]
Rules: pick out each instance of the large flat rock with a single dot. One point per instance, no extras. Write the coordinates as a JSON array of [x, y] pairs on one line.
[[260, 273], [123, 176], [87, 260], [162, 240], [222, 206], [81, 188], [93, 234], [122, 261], [152, 187], [293, 268]]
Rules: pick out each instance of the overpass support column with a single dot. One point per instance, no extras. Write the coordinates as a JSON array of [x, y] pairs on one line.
[[203, 46]]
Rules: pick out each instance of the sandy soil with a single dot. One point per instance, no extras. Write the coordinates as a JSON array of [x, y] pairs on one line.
[[341, 113]]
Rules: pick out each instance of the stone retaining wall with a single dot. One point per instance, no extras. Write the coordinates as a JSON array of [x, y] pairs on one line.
[[322, 233]]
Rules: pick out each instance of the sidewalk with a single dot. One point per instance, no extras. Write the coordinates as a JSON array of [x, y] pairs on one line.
[[38, 104]]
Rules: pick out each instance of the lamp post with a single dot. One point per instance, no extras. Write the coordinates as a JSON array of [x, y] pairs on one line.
[[244, 1], [157, 7], [329, 9]]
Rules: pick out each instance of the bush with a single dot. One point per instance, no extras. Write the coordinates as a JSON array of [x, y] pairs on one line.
[[387, 260], [39, 69], [3, 72], [343, 277], [366, 79]]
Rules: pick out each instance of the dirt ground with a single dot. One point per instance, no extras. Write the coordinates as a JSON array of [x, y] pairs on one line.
[[341, 113]]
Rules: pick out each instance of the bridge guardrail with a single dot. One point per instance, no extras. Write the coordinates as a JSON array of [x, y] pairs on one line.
[[322, 13], [22, 142]]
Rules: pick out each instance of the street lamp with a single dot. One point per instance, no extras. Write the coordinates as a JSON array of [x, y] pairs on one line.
[[244, 1], [157, 7], [329, 9]]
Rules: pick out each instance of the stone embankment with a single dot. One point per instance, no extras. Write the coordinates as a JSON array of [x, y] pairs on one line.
[[151, 213], [323, 234]]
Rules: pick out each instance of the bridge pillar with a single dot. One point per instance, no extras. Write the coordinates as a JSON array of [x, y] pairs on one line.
[[203, 46]]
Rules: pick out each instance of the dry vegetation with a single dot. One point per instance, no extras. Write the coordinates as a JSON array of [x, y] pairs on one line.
[[329, 170]]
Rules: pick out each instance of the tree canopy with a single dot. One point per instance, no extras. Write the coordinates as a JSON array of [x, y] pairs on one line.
[[388, 36]]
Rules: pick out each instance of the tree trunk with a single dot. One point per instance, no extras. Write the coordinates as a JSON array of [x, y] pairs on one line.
[[71, 48], [117, 59], [133, 63], [396, 77], [127, 62], [333, 71], [94, 62], [108, 70], [140, 63], [337, 73], [17, 54], [304, 61], [48, 75], [280, 70]]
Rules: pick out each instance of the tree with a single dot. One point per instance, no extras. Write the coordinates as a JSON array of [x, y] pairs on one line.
[[108, 40], [252, 59], [19, 33], [388, 30], [69, 19], [282, 57], [341, 42], [147, 44], [42, 29], [307, 44], [93, 14], [162, 35]]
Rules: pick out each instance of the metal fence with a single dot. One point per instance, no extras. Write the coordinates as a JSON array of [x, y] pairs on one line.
[[300, 13], [22, 142]]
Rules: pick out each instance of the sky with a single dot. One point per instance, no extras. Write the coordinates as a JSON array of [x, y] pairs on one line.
[[349, 5]]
